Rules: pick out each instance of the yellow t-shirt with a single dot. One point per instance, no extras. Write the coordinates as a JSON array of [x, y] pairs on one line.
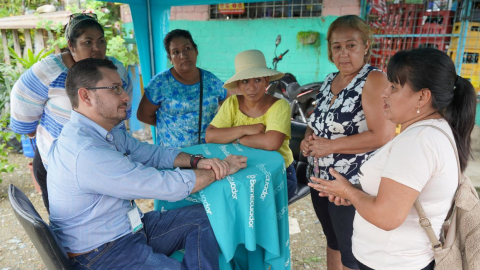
[[276, 118]]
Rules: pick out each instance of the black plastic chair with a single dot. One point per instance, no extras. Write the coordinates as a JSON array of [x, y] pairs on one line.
[[48, 246], [298, 133]]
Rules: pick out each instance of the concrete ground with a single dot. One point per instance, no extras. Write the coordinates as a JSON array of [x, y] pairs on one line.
[[308, 243]]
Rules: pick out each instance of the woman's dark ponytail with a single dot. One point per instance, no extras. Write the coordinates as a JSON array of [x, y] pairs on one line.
[[452, 96], [460, 115]]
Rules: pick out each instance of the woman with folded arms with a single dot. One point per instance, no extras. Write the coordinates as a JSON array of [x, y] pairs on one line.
[[254, 118]]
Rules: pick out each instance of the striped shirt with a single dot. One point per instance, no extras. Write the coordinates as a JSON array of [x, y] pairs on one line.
[[39, 101]]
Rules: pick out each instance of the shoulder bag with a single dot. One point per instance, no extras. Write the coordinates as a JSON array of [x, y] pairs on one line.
[[459, 243]]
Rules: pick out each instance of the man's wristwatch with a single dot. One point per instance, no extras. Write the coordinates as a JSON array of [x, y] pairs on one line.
[[194, 159]]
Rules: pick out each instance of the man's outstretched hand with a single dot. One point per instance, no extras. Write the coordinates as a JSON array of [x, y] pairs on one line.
[[219, 166], [222, 168]]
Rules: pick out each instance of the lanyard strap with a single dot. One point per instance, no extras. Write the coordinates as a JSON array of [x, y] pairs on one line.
[[201, 108]]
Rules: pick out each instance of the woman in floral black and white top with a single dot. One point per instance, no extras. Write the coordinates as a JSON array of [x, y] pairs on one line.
[[345, 127]]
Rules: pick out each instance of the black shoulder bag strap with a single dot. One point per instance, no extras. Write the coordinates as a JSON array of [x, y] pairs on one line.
[[201, 108]]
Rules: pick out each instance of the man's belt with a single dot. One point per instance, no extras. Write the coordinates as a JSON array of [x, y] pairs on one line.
[[71, 255]]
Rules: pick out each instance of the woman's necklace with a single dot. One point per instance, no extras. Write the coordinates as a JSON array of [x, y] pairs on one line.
[[433, 115]]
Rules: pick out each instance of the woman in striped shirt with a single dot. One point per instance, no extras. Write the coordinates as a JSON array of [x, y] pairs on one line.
[[39, 104]]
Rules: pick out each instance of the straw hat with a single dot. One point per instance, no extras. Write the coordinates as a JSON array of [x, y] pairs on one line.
[[251, 64]]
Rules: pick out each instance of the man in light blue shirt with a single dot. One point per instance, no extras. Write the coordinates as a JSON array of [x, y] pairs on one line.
[[96, 170]]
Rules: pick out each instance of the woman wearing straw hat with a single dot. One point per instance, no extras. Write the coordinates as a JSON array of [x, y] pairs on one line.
[[39, 104], [253, 118]]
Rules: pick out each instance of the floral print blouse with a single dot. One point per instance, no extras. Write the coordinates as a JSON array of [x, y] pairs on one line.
[[344, 118]]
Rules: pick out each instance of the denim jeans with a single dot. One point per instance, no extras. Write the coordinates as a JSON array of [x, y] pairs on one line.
[[291, 180], [163, 233]]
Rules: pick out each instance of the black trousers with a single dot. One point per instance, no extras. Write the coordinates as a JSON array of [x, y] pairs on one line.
[[337, 225], [41, 176]]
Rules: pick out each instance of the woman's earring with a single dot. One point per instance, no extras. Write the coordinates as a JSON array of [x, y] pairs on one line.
[[418, 110], [365, 53]]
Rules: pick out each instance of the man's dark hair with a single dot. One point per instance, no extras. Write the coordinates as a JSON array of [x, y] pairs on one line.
[[85, 73]]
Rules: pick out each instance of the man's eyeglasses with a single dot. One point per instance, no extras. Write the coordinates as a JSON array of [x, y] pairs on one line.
[[117, 89], [81, 15]]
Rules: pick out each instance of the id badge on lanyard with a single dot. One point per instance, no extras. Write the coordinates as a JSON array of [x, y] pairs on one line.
[[134, 218]]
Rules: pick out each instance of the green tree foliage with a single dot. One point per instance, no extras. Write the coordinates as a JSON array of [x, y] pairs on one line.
[[5, 136], [30, 59], [11, 8], [57, 30], [108, 15], [5, 133]]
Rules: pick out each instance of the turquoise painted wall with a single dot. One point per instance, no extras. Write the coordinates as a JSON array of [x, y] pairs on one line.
[[219, 41], [128, 27]]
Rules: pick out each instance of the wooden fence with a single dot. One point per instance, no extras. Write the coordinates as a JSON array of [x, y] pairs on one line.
[[28, 22]]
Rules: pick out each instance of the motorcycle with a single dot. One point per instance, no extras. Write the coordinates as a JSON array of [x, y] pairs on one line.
[[302, 99]]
